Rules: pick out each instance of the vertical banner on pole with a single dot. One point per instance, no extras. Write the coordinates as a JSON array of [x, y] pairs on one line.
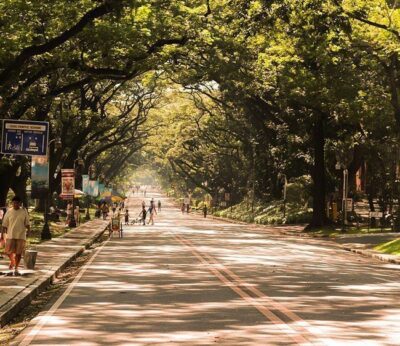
[[40, 177], [85, 184], [101, 188], [95, 191], [67, 183]]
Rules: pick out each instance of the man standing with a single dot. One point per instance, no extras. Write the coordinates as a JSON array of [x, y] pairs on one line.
[[15, 224]]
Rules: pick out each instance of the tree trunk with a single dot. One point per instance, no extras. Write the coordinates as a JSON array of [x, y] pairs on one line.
[[319, 218]]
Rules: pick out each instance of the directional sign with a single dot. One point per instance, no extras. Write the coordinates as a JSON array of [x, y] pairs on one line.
[[22, 137]]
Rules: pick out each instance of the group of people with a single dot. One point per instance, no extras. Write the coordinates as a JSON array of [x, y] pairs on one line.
[[151, 211]]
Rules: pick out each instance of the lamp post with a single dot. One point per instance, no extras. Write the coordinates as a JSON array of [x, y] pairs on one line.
[[87, 216], [72, 221], [46, 234], [284, 182]]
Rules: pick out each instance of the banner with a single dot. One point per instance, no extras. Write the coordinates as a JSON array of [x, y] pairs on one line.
[[67, 183], [101, 188], [85, 184], [93, 188], [40, 177]]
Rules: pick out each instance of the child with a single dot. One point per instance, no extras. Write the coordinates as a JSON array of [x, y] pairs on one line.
[[126, 217], [143, 213]]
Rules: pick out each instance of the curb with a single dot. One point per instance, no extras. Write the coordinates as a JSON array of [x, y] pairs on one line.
[[374, 254], [24, 297]]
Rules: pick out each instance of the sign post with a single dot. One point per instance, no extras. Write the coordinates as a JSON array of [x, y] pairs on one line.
[[22, 137]]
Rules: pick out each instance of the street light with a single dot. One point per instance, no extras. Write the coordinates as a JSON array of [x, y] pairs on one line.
[[46, 234]]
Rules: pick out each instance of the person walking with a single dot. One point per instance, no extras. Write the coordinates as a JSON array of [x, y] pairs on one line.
[[205, 210], [143, 214], [152, 211], [16, 225], [77, 215], [187, 208], [69, 213], [105, 211], [159, 206], [183, 208], [126, 217]]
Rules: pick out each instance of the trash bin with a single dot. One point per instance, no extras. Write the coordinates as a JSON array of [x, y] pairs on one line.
[[30, 259]]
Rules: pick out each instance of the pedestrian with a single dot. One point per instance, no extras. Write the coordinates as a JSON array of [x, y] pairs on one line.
[[187, 208], [143, 214], [16, 225], [69, 212], [159, 206], [152, 211], [183, 208], [126, 217], [205, 210], [105, 210], [77, 215]]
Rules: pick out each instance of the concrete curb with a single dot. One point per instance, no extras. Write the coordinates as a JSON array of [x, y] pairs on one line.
[[11, 309], [374, 254]]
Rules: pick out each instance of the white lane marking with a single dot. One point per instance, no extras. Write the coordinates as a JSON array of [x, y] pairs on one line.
[[46, 318]]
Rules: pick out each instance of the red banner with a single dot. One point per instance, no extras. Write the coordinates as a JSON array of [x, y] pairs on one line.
[[67, 183]]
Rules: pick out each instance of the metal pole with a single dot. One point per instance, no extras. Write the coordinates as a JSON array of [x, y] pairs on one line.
[[344, 199], [284, 196], [45, 234]]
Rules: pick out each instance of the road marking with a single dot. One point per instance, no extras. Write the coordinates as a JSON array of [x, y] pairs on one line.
[[47, 316], [300, 323], [294, 334]]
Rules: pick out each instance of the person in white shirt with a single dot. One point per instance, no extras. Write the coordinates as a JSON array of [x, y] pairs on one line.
[[15, 225]]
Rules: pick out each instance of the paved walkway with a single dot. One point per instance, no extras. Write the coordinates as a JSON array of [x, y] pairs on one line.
[[190, 281], [53, 255]]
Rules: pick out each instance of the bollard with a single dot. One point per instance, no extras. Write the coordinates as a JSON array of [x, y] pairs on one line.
[[30, 259]]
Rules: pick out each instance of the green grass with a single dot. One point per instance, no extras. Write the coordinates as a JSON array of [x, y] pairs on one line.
[[267, 213], [390, 248], [57, 229]]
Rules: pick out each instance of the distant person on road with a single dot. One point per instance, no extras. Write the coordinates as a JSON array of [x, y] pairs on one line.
[[159, 206], [183, 208], [187, 208], [205, 210], [15, 225], [126, 217], [152, 211], [143, 215]]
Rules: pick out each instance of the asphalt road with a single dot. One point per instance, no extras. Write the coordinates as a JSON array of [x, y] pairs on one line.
[[191, 281]]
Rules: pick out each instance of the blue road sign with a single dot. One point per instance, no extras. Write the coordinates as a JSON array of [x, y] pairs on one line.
[[23, 137]]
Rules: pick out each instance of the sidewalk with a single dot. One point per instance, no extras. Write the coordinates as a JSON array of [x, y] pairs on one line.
[[53, 256]]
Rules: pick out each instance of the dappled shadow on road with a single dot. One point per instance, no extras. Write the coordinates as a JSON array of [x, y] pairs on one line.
[[152, 292], [149, 289]]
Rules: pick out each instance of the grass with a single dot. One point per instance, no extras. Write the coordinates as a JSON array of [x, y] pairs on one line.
[[267, 213], [57, 229], [390, 248]]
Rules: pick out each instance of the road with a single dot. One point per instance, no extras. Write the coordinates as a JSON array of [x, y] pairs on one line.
[[191, 281]]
